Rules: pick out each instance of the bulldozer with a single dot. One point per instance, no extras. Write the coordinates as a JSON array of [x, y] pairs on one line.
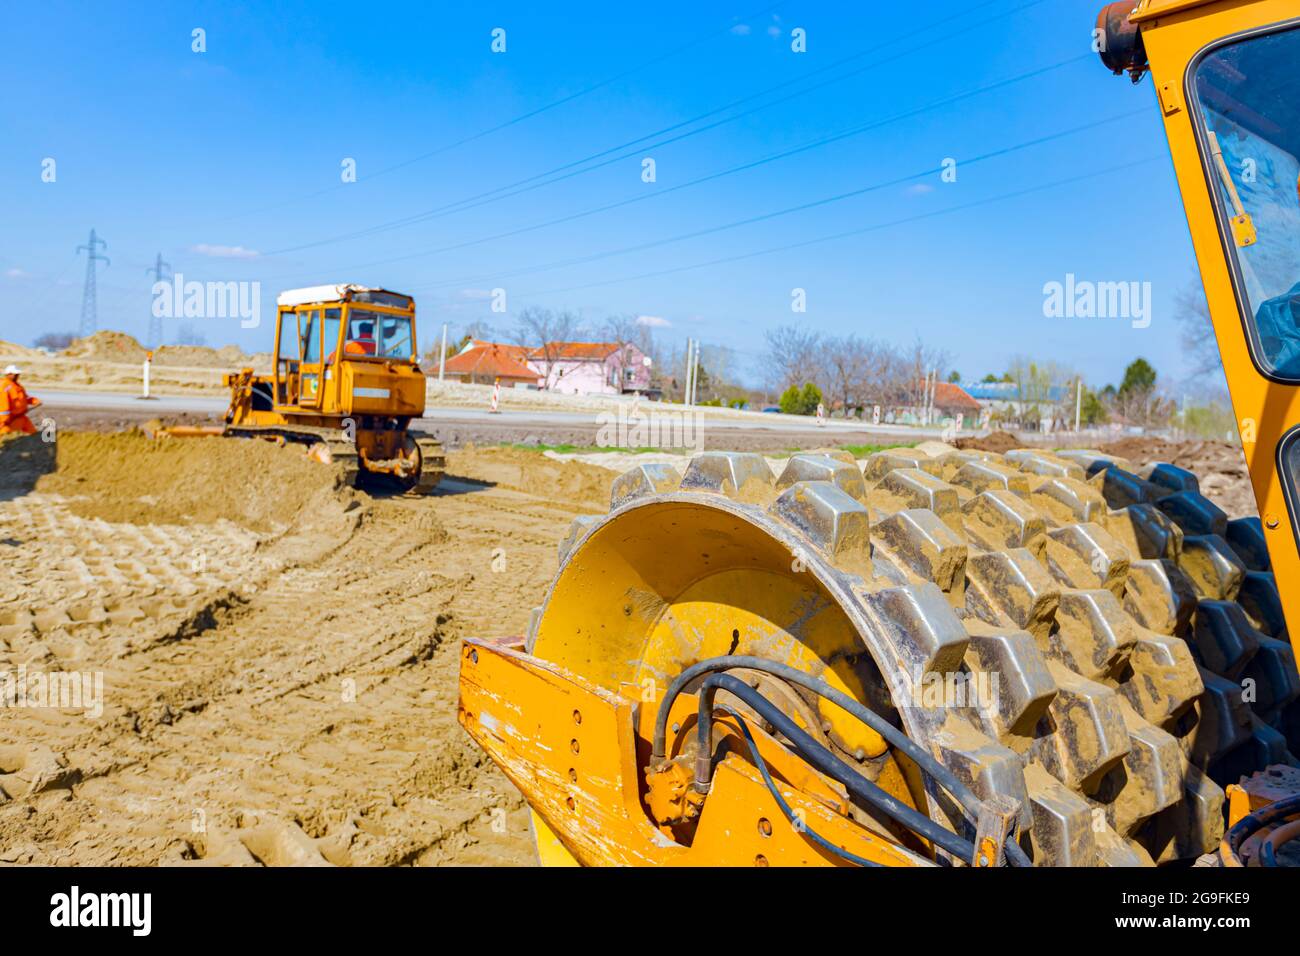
[[345, 385], [959, 658]]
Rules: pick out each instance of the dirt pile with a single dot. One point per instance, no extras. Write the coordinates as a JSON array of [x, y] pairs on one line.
[[520, 470], [1219, 466], [128, 477], [106, 346], [1000, 442], [230, 357], [11, 350], [109, 346]]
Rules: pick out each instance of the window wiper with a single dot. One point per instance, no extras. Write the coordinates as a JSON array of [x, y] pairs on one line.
[[1243, 228]]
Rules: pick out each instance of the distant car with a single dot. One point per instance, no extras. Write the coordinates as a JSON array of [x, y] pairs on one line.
[[771, 410]]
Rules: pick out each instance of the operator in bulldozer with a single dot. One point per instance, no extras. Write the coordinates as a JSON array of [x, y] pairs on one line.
[[362, 342]]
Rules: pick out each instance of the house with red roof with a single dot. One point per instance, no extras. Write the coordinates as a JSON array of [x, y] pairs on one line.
[[572, 368], [485, 363], [951, 401]]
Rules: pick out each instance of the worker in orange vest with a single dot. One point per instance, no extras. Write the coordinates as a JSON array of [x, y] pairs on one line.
[[14, 402]]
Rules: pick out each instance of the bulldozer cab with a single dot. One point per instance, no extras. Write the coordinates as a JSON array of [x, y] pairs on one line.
[[1228, 91], [345, 350]]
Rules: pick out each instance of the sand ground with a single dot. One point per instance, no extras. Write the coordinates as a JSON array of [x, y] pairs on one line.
[[279, 666]]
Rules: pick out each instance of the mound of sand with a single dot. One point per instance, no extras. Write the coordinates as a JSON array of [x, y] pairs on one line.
[[130, 478], [1220, 467], [574, 482], [14, 350], [999, 442], [227, 357], [107, 346]]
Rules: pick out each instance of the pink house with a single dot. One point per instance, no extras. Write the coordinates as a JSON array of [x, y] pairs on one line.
[[592, 368]]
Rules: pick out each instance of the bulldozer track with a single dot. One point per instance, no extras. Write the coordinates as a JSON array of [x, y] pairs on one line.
[[1118, 612], [433, 463]]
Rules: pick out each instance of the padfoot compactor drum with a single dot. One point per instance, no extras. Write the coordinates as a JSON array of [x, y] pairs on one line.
[[968, 658]]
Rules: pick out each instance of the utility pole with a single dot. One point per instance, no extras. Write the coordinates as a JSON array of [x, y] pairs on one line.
[[155, 339], [89, 308], [695, 374], [686, 386], [442, 356]]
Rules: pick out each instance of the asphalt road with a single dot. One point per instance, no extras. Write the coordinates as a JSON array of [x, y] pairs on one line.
[[457, 426]]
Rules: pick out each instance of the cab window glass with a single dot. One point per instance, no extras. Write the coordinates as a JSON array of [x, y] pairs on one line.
[[289, 336], [395, 339], [1249, 101], [331, 330], [309, 322]]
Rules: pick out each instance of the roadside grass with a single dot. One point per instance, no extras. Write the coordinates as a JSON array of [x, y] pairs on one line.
[[857, 451], [589, 449]]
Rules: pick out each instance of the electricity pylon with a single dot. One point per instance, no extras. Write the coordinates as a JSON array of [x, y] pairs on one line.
[[157, 270], [89, 309]]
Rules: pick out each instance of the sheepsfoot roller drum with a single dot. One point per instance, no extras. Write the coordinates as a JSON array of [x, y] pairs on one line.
[[970, 659]]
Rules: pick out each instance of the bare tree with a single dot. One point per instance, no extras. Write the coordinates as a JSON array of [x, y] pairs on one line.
[[1197, 334], [923, 360], [545, 332], [794, 356], [623, 331], [850, 362]]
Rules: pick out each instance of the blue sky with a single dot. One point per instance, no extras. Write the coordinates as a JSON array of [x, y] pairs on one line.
[[223, 160]]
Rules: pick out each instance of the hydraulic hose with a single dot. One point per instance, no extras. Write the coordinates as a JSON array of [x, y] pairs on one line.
[[1249, 824], [821, 759], [801, 826], [924, 760]]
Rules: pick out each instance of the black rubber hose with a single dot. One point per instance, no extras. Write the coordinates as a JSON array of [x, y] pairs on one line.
[[941, 774], [925, 761], [1248, 824], [798, 826], [821, 759]]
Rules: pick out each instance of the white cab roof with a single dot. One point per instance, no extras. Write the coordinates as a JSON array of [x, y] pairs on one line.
[[323, 293]]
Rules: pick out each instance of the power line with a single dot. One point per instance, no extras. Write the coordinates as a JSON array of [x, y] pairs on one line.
[[522, 116], [668, 190], [568, 171], [853, 232], [788, 210]]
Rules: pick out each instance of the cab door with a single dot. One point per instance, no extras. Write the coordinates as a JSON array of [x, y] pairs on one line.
[[312, 370], [287, 358]]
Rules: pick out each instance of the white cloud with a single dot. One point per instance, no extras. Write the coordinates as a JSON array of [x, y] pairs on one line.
[[741, 29], [653, 321], [774, 31], [16, 273], [224, 252], [476, 293], [920, 189]]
